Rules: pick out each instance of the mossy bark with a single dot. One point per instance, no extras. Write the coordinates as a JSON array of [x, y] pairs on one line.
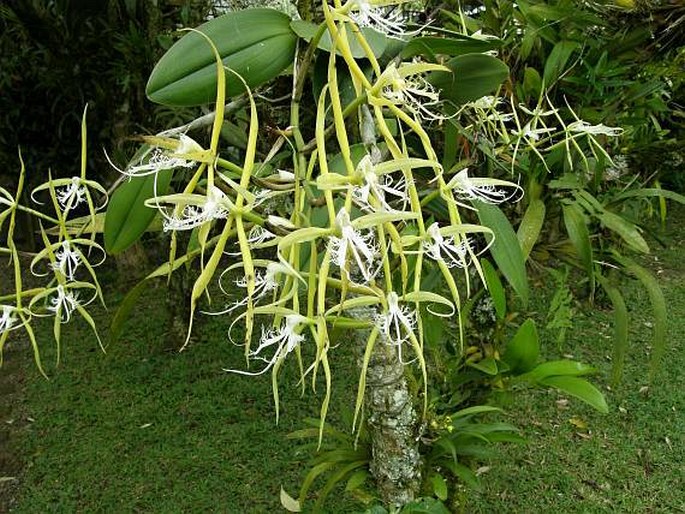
[[392, 424]]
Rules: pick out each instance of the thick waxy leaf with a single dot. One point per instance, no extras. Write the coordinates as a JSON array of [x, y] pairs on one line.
[[127, 215], [473, 76], [257, 44], [558, 368], [523, 350], [506, 249], [580, 388], [375, 39]]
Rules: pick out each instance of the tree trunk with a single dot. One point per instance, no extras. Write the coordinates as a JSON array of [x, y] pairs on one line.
[[392, 423]]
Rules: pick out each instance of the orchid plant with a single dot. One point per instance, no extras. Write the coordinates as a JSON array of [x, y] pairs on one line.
[[359, 235]]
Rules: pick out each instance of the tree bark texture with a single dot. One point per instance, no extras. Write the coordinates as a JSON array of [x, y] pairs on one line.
[[391, 421]]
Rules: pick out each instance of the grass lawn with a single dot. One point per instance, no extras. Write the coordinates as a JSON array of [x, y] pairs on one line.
[[146, 429]]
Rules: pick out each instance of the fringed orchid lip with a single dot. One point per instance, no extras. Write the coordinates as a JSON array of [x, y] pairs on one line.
[[381, 18], [7, 318], [583, 127], [64, 303], [397, 324], [72, 194], [378, 187], [284, 339], [445, 249], [67, 261], [161, 159], [413, 92], [351, 242], [483, 189], [209, 208]]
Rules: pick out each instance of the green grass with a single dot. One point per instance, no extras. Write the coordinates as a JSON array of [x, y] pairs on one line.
[[631, 460], [146, 429]]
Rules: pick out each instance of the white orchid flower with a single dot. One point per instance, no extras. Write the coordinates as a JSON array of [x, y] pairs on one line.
[[284, 339], [445, 249], [378, 187], [583, 127], [198, 210], [259, 235], [7, 318], [64, 303], [411, 91], [532, 134], [397, 324], [161, 159], [361, 247], [483, 189], [71, 195], [67, 261], [382, 18]]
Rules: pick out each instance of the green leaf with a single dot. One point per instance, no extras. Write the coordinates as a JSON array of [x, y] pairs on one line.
[[127, 215], [257, 44], [377, 41], [620, 329], [649, 193], [439, 486], [505, 249], [558, 368], [487, 366], [431, 46], [124, 310], [425, 506], [576, 227], [628, 231], [523, 350], [476, 409], [656, 298], [473, 76], [530, 227], [557, 59], [532, 83], [579, 388], [464, 474], [495, 288]]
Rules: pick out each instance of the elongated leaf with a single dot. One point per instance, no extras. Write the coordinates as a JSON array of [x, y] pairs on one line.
[[578, 233], [557, 60], [629, 232], [523, 350], [530, 227], [580, 388], [649, 193], [487, 366], [473, 76], [559, 368], [506, 249], [656, 297], [620, 329], [257, 44], [127, 215], [431, 46], [495, 288]]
